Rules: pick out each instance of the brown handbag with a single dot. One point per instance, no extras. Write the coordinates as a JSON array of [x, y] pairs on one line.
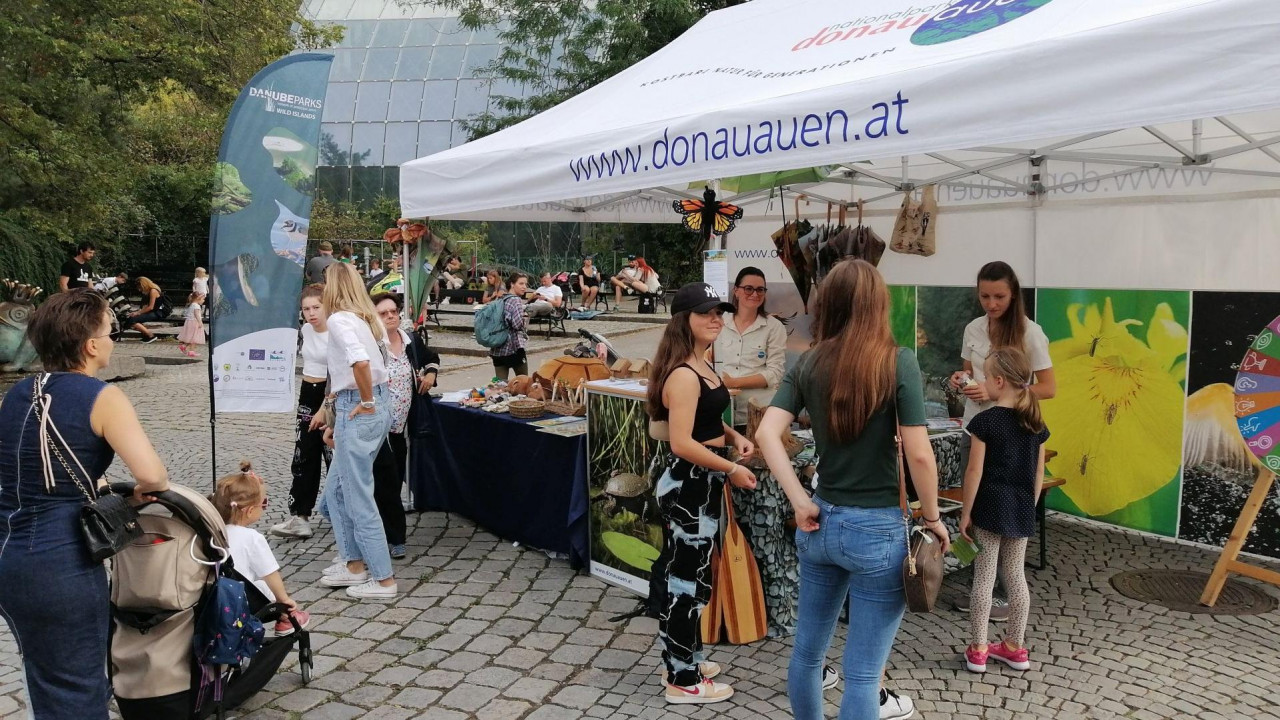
[[922, 568]]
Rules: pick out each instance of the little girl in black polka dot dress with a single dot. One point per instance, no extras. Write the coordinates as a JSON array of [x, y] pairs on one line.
[[1001, 487]]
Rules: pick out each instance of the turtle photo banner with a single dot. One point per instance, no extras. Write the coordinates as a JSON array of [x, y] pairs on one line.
[[263, 189]]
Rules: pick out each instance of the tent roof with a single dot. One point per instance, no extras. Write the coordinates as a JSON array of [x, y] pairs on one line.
[[779, 84]]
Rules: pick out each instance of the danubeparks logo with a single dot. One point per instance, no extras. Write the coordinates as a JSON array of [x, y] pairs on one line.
[[970, 17], [933, 23]]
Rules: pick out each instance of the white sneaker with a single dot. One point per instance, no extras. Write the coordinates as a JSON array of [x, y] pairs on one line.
[[894, 707], [708, 691], [337, 567], [294, 527], [344, 578], [371, 590], [830, 678], [444, 301]]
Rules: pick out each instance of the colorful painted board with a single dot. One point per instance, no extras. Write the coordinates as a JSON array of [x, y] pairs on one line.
[[1257, 392]]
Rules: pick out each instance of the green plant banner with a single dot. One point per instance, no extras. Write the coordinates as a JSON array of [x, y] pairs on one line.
[[261, 210]]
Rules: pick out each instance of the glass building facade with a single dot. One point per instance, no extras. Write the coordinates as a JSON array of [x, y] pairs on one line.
[[402, 80]]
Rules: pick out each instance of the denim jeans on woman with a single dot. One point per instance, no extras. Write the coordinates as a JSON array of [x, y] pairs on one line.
[[855, 553], [357, 527]]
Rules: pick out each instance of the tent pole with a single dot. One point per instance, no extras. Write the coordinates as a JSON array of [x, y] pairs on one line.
[[1197, 129], [715, 242]]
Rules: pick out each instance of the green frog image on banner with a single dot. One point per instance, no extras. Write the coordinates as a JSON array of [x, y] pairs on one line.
[[966, 18], [16, 352]]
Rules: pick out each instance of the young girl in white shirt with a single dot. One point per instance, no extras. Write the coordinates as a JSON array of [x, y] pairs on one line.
[[240, 499]]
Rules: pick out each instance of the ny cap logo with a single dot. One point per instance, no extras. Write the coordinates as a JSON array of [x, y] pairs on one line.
[[711, 292]]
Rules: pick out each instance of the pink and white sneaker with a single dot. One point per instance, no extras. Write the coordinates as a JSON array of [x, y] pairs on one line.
[[1017, 659], [284, 627], [975, 659]]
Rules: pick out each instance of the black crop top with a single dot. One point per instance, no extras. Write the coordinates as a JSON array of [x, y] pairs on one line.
[[708, 417]]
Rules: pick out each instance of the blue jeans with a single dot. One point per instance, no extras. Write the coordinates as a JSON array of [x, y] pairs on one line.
[[55, 601], [349, 492], [855, 553]]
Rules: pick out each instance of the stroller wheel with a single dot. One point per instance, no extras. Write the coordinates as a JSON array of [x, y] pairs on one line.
[[304, 667]]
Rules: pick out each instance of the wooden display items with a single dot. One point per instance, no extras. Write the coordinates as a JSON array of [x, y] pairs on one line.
[[1256, 408]]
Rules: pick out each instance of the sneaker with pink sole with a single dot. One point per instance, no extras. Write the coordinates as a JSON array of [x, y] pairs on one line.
[[284, 627], [975, 659], [1018, 659]]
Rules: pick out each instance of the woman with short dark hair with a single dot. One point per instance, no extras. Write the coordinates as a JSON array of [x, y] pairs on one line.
[[53, 596]]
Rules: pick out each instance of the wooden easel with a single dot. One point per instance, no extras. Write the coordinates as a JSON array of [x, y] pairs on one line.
[[1227, 563]]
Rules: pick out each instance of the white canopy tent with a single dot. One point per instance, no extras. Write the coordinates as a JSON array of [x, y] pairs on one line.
[[886, 92]]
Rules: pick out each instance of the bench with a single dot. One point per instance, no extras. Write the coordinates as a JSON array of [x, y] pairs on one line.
[[554, 321]]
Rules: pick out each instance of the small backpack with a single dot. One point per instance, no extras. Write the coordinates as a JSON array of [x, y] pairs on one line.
[[226, 632], [491, 326]]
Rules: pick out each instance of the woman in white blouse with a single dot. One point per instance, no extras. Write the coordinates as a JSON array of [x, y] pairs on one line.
[[309, 449], [751, 351], [360, 400]]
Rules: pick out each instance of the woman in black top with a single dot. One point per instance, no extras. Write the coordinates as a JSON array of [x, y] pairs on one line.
[[685, 392]]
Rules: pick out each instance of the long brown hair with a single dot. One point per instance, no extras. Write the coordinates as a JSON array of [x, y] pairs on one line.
[[1009, 329], [1011, 364], [747, 272], [675, 347], [854, 346]]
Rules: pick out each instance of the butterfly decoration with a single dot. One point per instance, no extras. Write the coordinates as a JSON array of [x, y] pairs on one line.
[[708, 216], [405, 231]]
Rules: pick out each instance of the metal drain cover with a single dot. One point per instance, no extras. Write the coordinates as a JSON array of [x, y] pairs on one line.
[[1180, 590]]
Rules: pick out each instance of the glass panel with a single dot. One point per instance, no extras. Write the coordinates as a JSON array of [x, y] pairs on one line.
[[339, 102], [366, 9], [473, 98], [423, 32], [446, 62], [391, 182], [346, 65], [453, 33], [381, 64], [334, 183], [335, 144], [414, 63], [401, 143], [432, 137], [366, 143], [486, 34], [357, 33], [458, 135], [390, 33], [437, 99], [335, 10], [371, 103], [366, 185], [406, 101], [478, 56]]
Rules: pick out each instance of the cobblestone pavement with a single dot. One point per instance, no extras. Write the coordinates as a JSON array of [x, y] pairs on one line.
[[489, 631]]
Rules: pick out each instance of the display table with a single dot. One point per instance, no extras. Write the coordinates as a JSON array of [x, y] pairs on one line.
[[500, 472]]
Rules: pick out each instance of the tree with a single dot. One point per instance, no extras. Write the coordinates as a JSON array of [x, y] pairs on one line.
[[558, 48], [111, 112]]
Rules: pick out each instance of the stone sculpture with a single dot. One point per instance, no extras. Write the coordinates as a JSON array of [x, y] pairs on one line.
[[16, 352]]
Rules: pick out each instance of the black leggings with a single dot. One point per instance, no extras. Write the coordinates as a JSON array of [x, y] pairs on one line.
[[308, 450], [388, 476]]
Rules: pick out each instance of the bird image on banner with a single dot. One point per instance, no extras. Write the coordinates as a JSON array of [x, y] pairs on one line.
[[708, 216]]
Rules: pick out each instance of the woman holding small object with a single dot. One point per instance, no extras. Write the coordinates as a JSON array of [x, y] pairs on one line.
[[752, 351]]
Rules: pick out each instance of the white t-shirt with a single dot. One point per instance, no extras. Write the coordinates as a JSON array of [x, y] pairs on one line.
[[977, 346], [252, 556], [549, 292], [351, 341], [200, 285], [315, 352]]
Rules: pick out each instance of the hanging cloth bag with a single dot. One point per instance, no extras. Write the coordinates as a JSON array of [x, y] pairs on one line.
[[906, 229], [927, 243]]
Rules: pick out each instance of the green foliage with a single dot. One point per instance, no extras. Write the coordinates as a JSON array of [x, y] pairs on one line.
[[349, 221], [559, 48], [111, 113]]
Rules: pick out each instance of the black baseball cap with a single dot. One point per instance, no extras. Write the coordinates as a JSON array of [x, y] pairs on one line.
[[630, 258], [699, 298]]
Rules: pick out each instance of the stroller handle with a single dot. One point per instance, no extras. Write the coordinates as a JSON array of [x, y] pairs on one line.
[[181, 507]]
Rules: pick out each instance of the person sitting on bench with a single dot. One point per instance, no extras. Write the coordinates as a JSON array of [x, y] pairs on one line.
[[637, 276], [547, 297]]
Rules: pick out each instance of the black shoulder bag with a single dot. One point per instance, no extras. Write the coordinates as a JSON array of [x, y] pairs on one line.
[[108, 522]]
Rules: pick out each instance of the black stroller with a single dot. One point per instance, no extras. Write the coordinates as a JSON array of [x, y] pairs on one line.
[[158, 586]]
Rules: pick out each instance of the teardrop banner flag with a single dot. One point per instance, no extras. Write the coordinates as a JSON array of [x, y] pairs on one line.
[[263, 189]]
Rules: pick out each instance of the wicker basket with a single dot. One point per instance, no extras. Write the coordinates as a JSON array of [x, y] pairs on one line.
[[565, 407], [527, 409]]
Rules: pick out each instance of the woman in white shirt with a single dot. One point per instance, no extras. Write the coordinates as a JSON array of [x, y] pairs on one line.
[[1005, 324], [751, 352], [358, 392], [309, 449]]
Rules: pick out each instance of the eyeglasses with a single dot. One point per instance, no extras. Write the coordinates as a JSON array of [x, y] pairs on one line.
[[752, 290], [108, 336]]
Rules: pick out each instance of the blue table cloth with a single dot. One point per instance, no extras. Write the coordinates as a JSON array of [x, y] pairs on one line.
[[500, 472]]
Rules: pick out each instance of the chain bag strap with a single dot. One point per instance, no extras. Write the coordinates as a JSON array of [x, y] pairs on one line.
[[108, 522], [922, 568]]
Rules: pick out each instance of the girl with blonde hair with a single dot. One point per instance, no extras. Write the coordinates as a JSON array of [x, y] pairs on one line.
[[358, 395], [862, 393], [154, 309]]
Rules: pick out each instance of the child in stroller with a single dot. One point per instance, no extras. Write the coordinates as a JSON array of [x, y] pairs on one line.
[[241, 499], [160, 582]]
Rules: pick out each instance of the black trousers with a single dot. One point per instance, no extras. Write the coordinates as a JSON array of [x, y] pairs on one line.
[[388, 476], [308, 452]]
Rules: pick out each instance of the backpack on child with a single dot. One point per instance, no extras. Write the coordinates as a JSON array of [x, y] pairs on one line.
[[491, 326]]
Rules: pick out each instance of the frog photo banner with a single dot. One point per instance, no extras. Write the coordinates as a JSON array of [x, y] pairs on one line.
[[261, 209]]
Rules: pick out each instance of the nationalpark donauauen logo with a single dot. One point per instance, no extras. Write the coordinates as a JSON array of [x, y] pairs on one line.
[[966, 18]]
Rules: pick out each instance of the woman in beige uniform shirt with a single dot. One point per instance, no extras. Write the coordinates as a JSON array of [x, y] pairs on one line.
[[751, 352]]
